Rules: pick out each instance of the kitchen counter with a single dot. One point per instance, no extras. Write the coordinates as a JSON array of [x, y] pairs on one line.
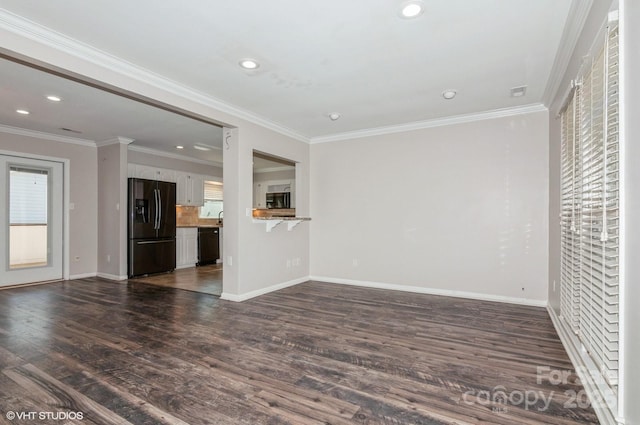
[[276, 218]]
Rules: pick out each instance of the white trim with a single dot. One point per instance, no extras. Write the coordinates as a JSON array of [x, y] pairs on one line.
[[115, 141], [173, 156], [46, 136], [54, 40], [252, 294], [82, 276], [110, 276], [437, 122], [273, 169], [622, 229], [578, 13], [432, 291], [66, 219], [185, 266], [582, 363], [66, 200]]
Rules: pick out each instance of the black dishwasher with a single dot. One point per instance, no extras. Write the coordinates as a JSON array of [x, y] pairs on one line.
[[208, 245]]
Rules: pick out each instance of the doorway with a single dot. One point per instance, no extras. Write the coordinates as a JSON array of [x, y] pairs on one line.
[[31, 219]]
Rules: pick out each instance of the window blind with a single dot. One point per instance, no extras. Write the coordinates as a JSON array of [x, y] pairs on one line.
[[590, 214], [212, 191], [28, 196]]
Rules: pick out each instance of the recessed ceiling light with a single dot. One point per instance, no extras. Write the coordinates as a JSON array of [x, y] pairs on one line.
[[54, 98], [249, 64], [22, 111], [179, 147], [411, 9], [449, 94], [201, 148], [518, 91], [334, 116]]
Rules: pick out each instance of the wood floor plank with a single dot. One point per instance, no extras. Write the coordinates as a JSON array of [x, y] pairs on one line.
[[56, 396]]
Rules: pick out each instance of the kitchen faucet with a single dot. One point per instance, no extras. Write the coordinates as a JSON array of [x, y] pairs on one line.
[[220, 217]]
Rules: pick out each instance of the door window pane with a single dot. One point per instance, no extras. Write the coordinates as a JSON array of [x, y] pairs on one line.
[[28, 217]]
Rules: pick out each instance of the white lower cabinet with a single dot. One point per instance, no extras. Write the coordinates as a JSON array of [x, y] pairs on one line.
[[186, 247]]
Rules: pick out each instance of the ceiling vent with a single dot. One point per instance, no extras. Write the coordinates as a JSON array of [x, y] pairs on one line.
[[518, 91]]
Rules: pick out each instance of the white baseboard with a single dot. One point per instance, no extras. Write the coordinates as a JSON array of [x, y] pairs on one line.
[[248, 295], [82, 276], [112, 276], [582, 363], [432, 291], [185, 266]]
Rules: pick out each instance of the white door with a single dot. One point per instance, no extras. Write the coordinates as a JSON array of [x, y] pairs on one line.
[[31, 220]]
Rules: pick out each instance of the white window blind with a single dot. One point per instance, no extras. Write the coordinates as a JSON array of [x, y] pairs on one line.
[[28, 196], [212, 191], [590, 210]]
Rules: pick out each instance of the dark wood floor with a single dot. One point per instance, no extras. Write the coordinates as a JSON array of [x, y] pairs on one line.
[[314, 353]]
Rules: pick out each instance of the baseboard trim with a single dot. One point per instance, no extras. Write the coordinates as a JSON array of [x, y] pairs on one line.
[[583, 364], [248, 295], [111, 276], [185, 266], [82, 276], [432, 291]]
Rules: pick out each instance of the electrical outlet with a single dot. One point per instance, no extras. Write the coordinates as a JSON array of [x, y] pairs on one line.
[[229, 260], [554, 285], [288, 263], [355, 262], [108, 258]]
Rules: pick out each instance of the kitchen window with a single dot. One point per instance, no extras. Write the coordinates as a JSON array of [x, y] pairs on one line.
[[213, 203]]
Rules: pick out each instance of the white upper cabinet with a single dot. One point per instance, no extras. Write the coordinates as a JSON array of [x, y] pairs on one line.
[[189, 189], [151, 173]]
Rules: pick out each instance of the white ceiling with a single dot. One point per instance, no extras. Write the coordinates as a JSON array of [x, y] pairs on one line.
[[356, 57]]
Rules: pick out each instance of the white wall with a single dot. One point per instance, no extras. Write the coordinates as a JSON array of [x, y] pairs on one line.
[[112, 211], [454, 208], [83, 233], [259, 258]]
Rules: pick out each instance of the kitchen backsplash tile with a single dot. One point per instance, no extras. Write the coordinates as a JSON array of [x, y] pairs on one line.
[[189, 216]]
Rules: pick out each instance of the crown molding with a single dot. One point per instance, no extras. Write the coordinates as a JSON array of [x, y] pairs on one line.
[[46, 136], [173, 156], [59, 42], [116, 141], [578, 13], [437, 122]]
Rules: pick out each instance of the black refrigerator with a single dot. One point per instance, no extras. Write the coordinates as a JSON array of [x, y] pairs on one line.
[[151, 227]]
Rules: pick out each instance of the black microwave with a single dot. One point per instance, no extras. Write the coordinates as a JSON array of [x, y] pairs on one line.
[[279, 200]]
